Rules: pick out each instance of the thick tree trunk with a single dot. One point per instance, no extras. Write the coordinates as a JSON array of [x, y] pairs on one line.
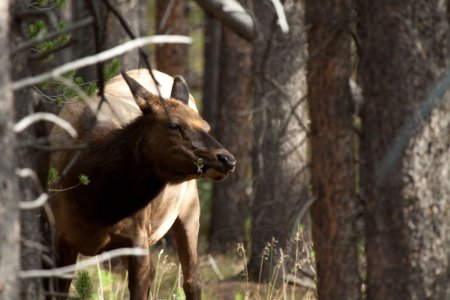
[[332, 149], [231, 199], [9, 212], [213, 32], [171, 18], [279, 121], [405, 47], [24, 104]]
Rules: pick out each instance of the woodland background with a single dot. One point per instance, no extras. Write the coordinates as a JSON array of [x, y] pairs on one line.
[[338, 113]]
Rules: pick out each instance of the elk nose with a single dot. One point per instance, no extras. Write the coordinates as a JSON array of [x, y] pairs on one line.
[[227, 160]]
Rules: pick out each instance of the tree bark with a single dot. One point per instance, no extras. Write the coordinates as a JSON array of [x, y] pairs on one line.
[[332, 149], [112, 33], [405, 47], [213, 32], [24, 104], [9, 212], [171, 18], [115, 34], [231, 199], [279, 133]]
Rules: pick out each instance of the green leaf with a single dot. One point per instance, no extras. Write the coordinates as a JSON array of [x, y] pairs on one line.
[[91, 88], [59, 101], [60, 3], [37, 29], [84, 180], [112, 69], [52, 176]]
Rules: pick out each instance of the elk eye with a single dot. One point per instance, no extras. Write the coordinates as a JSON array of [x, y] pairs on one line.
[[174, 125]]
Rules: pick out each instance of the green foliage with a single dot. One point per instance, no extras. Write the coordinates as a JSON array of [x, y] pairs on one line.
[[52, 176], [84, 180], [83, 286], [60, 3], [47, 3], [199, 164], [68, 92], [179, 294], [42, 3], [112, 69], [239, 296], [37, 29]]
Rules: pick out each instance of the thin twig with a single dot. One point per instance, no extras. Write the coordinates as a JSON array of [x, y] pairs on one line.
[[166, 14], [435, 95], [102, 56], [42, 116], [40, 201], [282, 21], [43, 197], [64, 271]]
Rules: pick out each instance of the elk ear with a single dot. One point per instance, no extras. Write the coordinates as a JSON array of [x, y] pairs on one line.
[[180, 90], [144, 99]]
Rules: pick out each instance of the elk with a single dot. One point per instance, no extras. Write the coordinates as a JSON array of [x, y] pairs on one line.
[[142, 163]]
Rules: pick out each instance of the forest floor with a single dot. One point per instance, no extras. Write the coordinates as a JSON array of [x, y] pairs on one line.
[[219, 275]]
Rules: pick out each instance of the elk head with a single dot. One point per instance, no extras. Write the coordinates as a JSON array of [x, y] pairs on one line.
[[177, 143]]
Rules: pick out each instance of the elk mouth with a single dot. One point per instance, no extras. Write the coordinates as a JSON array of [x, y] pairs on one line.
[[217, 169]]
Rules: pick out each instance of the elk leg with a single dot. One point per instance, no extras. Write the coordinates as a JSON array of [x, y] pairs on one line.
[[67, 256], [186, 237], [140, 277]]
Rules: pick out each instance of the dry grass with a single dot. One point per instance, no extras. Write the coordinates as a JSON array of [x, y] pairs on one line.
[[110, 280]]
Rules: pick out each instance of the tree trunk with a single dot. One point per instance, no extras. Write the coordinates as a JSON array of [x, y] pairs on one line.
[[213, 32], [332, 149], [9, 212], [24, 104], [279, 133], [231, 198], [171, 18], [115, 34], [112, 34], [405, 47]]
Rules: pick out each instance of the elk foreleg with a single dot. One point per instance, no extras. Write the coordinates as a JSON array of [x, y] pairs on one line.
[[185, 232], [140, 277], [66, 256]]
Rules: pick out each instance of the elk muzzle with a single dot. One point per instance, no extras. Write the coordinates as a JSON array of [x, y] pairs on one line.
[[227, 161]]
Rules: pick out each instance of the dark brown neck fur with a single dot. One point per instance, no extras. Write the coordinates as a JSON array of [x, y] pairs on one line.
[[121, 176]]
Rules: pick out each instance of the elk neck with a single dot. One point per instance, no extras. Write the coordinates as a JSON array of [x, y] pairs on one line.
[[122, 175]]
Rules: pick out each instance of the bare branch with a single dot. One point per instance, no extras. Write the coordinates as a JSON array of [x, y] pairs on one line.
[[64, 271], [232, 14], [102, 56], [433, 97], [42, 116], [43, 197], [40, 201], [282, 21]]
